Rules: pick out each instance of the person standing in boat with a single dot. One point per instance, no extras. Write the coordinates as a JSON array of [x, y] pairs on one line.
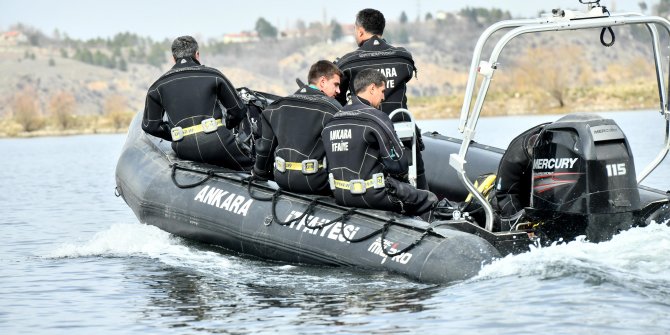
[[290, 150], [365, 158], [196, 107], [395, 63]]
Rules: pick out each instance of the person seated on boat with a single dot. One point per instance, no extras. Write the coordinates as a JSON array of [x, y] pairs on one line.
[[514, 177], [396, 63], [365, 158], [197, 108], [290, 150]]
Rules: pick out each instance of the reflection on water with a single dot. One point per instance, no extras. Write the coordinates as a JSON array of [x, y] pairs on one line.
[[185, 298]]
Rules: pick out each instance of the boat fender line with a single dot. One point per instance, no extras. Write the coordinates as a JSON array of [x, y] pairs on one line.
[[250, 180], [308, 211], [342, 219], [416, 242], [175, 167]]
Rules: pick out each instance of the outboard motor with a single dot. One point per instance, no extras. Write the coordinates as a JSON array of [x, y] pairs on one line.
[[583, 179]]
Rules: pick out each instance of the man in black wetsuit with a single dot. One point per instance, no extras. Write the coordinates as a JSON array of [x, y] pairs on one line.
[[291, 126], [187, 106], [395, 63], [365, 158], [514, 177]]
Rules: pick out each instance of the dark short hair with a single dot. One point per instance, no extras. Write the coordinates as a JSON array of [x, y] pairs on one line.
[[366, 77], [321, 68], [371, 20], [184, 46]]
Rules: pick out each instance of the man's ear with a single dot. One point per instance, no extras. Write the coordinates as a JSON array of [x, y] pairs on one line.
[[197, 55], [360, 31], [322, 82]]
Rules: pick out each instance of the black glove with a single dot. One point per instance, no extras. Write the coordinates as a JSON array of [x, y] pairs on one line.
[[258, 175]]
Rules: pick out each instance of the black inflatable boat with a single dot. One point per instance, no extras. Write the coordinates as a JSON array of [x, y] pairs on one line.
[[230, 209]]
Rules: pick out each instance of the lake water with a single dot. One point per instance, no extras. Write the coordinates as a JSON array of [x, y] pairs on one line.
[[75, 260]]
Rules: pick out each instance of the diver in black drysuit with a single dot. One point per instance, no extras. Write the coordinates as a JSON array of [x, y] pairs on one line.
[[515, 173], [188, 94], [397, 64], [291, 129], [360, 142]]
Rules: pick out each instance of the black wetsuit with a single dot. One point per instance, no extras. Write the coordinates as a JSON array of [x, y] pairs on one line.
[[188, 94], [514, 177], [360, 142], [292, 131], [397, 64]]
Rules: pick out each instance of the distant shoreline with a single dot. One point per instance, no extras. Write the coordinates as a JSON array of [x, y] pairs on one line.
[[451, 113], [62, 133]]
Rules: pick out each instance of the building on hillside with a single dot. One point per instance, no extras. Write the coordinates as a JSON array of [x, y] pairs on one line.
[[13, 37], [245, 36]]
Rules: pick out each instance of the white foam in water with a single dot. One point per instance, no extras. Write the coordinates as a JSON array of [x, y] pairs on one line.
[[638, 252], [138, 240]]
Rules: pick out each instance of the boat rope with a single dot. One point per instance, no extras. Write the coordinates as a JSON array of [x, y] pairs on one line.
[[275, 198], [416, 242], [209, 173], [602, 37], [308, 211], [343, 218], [609, 29], [250, 180]]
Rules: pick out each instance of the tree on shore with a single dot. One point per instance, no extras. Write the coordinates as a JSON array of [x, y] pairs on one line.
[[116, 109], [25, 110], [62, 106], [555, 77], [265, 29], [336, 33], [403, 17]]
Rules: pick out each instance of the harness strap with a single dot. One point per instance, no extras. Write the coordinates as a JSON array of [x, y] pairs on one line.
[[358, 186], [207, 126], [307, 166]]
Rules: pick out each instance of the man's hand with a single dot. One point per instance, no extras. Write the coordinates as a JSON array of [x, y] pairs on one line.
[[257, 175]]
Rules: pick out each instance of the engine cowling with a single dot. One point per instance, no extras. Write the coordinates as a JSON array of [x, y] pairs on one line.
[[583, 179]]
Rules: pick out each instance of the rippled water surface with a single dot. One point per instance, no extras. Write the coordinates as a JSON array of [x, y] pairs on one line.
[[75, 260]]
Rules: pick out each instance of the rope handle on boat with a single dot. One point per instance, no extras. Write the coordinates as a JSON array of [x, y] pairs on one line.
[[416, 242], [609, 29], [210, 174], [308, 211], [602, 37], [342, 218], [250, 180]]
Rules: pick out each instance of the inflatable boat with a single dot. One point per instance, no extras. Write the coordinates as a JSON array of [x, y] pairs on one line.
[[584, 183]]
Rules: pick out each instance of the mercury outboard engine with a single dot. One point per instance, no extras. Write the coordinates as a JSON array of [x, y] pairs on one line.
[[583, 179]]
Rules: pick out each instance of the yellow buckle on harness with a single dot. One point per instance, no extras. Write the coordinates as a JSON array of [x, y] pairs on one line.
[[177, 134], [207, 126], [358, 186], [308, 166], [280, 164]]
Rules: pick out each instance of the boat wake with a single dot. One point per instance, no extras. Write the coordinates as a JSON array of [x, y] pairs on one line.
[[145, 241], [635, 259], [138, 240]]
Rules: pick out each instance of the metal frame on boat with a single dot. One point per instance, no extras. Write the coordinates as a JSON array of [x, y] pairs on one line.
[[595, 17]]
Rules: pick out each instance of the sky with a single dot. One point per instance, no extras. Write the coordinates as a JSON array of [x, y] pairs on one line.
[[160, 19]]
